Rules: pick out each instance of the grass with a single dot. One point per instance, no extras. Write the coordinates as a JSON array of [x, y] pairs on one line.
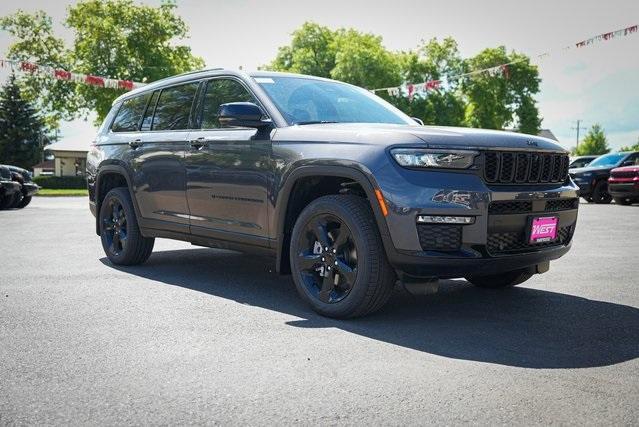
[[63, 192]]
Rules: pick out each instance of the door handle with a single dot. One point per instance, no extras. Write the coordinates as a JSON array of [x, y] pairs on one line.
[[198, 143], [135, 143]]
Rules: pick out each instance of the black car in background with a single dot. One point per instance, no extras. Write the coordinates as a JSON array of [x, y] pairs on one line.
[[17, 188], [8, 188], [581, 161], [593, 179]]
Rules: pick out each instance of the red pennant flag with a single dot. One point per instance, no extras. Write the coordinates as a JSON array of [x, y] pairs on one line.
[[94, 81], [125, 84], [28, 66], [62, 75], [505, 71]]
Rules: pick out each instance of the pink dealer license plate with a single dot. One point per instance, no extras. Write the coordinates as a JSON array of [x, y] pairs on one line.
[[543, 229]]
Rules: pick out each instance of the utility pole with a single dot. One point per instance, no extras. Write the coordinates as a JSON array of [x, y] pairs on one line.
[[578, 128]]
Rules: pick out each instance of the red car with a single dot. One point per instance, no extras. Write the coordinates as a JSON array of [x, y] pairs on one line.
[[623, 184]]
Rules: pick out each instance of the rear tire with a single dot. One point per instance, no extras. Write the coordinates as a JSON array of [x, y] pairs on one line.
[[498, 281], [119, 231], [600, 194], [623, 201], [353, 277]]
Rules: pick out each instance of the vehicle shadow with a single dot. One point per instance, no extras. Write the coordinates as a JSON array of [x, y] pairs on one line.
[[520, 327]]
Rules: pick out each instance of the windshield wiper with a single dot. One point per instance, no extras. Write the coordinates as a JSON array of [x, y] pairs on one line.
[[314, 122]]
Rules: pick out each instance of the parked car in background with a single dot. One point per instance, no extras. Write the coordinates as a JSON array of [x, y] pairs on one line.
[[581, 161], [26, 188], [623, 185], [344, 191], [9, 189], [29, 188], [593, 179]]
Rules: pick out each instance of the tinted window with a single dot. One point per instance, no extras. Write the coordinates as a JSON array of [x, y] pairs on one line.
[[218, 92], [148, 116], [607, 160], [174, 106], [303, 100], [130, 114]]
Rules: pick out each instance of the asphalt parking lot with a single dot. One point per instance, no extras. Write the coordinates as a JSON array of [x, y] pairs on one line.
[[206, 336]]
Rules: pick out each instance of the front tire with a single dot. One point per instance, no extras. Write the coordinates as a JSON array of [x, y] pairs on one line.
[[499, 281], [24, 202], [600, 194], [337, 258], [121, 238], [623, 201]]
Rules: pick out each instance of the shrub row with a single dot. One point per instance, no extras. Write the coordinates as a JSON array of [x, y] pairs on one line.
[[59, 182]]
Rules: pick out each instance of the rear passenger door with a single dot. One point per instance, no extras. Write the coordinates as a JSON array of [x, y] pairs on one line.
[[228, 170], [159, 174]]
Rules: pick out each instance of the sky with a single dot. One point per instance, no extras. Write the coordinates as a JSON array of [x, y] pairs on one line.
[[595, 84]]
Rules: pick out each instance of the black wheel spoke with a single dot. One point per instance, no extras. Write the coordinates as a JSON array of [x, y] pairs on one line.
[[347, 272], [327, 288], [342, 237], [319, 227], [309, 261]]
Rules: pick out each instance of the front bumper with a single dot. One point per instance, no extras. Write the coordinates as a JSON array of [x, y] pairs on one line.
[[624, 190], [497, 241]]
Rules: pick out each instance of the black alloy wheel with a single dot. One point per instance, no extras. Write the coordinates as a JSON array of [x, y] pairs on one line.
[[115, 227], [327, 258]]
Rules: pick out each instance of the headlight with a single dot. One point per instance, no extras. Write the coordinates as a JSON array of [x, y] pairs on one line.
[[426, 158]]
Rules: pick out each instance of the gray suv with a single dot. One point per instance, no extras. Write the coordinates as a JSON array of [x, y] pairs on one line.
[[347, 193]]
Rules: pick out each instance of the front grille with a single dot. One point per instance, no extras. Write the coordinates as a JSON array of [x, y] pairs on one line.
[[561, 205], [439, 237], [508, 207], [516, 242], [525, 168], [624, 174]]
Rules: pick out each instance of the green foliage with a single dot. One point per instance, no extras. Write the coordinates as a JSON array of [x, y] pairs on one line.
[[113, 38], [21, 130], [60, 182], [595, 142], [495, 102], [631, 147]]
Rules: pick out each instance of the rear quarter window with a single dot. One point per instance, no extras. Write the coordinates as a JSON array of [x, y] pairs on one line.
[[130, 114]]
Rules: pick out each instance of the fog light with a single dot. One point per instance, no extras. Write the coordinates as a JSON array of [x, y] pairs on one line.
[[440, 219]]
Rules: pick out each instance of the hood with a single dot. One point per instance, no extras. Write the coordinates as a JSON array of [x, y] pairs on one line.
[[627, 169], [427, 136]]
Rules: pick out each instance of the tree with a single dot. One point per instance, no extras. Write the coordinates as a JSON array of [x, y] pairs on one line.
[[21, 129], [501, 102], [595, 142], [631, 148], [113, 38], [311, 52]]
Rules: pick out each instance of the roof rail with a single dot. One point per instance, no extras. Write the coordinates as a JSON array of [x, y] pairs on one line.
[[202, 70]]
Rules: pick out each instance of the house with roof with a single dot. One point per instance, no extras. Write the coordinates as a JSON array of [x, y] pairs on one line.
[[69, 157]]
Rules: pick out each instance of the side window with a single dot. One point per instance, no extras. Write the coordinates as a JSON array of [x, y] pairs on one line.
[[218, 92], [148, 115], [130, 114], [173, 107]]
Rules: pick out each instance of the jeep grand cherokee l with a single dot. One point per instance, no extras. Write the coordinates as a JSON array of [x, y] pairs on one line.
[[346, 192]]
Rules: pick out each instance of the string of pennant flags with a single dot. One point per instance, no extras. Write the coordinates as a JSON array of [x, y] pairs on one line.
[[60, 74], [503, 70], [411, 89]]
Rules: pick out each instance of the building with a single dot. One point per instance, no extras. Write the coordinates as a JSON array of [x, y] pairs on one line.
[[46, 167], [69, 157]]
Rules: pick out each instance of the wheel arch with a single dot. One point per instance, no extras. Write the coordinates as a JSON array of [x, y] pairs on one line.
[[110, 176], [286, 194]]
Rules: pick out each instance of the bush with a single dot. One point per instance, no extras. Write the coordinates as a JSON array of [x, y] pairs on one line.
[[59, 182]]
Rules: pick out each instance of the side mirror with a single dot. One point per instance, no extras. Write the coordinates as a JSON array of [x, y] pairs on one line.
[[418, 120], [241, 114]]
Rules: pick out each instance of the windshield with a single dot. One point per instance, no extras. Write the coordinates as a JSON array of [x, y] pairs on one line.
[[608, 160], [305, 101]]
